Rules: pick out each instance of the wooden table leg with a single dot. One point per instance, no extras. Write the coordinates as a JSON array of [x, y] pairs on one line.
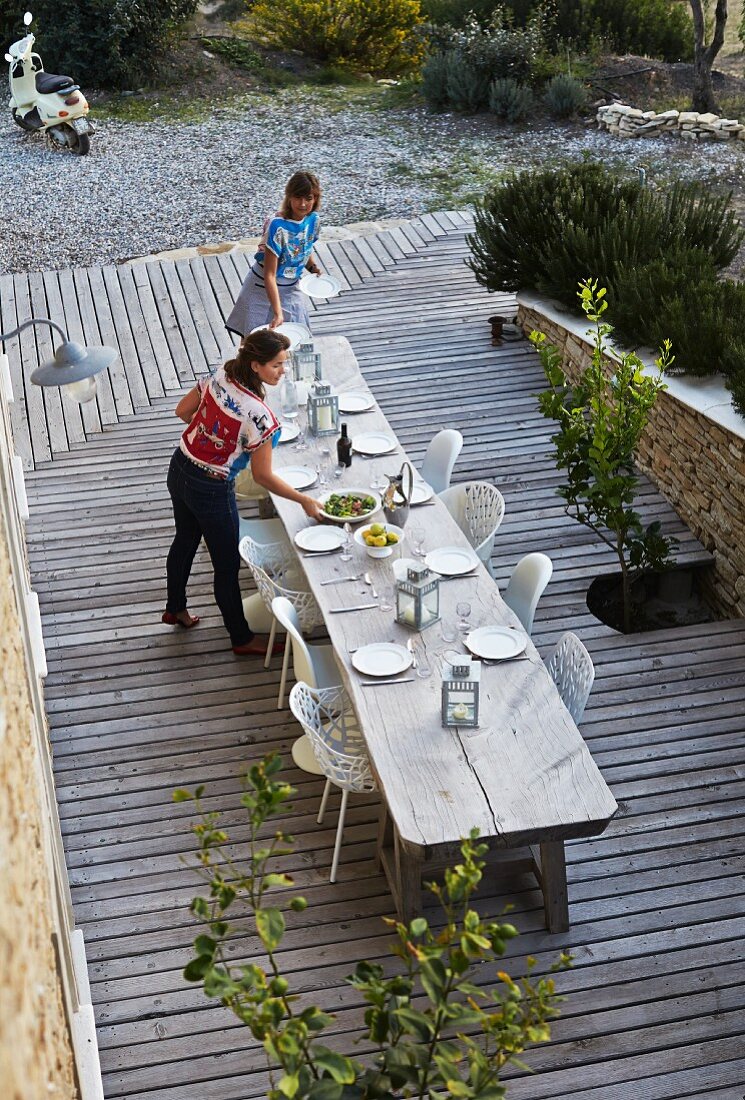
[[408, 881], [551, 870], [385, 835]]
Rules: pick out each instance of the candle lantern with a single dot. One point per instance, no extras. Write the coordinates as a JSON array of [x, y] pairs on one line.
[[306, 365], [418, 598], [460, 690], [323, 410]]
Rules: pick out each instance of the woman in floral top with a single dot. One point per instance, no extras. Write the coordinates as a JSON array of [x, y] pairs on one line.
[[228, 426], [270, 293]]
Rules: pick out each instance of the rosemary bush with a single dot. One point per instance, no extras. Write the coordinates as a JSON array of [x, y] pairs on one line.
[[445, 1024], [564, 95], [510, 100]]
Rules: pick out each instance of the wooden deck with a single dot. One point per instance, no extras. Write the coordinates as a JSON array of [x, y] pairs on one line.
[[655, 1001]]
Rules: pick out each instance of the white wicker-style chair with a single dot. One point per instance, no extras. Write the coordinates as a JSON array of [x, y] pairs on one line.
[[478, 509], [277, 574], [573, 672], [526, 586], [440, 457], [330, 724]]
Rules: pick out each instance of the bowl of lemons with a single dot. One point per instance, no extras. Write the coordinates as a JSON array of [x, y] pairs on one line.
[[379, 539]]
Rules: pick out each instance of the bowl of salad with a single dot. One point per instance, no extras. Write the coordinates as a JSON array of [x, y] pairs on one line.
[[349, 505]]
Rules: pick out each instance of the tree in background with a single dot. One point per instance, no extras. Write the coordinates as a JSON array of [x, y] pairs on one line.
[[704, 55]]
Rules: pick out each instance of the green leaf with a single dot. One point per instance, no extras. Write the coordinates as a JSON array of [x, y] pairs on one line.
[[182, 795], [289, 1084], [197, 968], [340, 1068], [270, 924], [205, 945], [418, 926], [434, 979], [415, 1022], [325, 1090]]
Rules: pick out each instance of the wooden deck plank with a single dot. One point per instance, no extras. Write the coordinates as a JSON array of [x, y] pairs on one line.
[[655, 998], [92, 419], [23, 361]]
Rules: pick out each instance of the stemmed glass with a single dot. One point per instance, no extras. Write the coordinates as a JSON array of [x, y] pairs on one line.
[[301, 443], [463, 611], [348, 546], [377, 477], [417, 540]]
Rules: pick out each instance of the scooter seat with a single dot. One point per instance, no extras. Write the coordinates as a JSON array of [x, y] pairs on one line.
[[48, 82]]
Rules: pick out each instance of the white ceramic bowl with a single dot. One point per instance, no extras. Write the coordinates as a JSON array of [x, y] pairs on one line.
[[380, 551], [344, 491]]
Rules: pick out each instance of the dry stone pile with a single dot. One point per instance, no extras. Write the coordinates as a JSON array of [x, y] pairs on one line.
[[625, 121]]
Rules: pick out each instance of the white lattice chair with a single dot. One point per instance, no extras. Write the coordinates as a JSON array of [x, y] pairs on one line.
[[264, 532], [331, 726], [478, 509], [573, 672], [440, 457], [526, 586]]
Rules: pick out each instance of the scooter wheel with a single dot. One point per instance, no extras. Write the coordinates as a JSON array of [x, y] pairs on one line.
[[83, 145]]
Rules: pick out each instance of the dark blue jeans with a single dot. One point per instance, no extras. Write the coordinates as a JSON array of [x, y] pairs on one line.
[[205, 508]]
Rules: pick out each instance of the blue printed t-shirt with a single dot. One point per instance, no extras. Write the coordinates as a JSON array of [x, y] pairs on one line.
[[230, 423], [291, 242]]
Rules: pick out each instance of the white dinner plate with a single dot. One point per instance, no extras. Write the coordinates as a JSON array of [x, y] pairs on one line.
[[374, 443], [381, 659], [356, 401], [289, 432], [421, 492], [299, 477], [320, 538], [319, 286], [293, 330], [342, 490], [451, 561], [496, 643]]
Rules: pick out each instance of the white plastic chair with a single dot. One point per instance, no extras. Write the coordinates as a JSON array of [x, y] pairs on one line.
[[526, 585], [439, 459], [277, 574], [478, 509], [262, 531], [314, 664], [331, 726], [573, 672]]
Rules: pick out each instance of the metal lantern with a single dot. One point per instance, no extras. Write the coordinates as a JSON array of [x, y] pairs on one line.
[[323, 410], [306, 365], [418, 598], [460, 690]]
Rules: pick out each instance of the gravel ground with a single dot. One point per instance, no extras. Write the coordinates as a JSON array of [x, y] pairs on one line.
[[146, 187]]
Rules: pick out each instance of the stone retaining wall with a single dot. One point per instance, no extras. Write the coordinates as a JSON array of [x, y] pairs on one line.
[[625, 121], [697, 462]]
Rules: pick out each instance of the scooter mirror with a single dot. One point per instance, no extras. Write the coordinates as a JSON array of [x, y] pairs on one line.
[[9, 57], [27, 19]]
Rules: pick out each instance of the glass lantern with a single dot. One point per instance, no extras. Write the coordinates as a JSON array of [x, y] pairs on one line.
[[306, 365], [323, 410], [460, 690], [418, 598]]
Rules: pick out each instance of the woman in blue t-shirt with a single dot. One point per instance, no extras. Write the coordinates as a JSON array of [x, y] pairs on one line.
[[270, 293]]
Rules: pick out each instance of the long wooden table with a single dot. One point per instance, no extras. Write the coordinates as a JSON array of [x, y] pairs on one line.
[[525, 777]]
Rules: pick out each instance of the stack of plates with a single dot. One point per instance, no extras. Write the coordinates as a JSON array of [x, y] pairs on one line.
[[320, 539], [496, 643], [299, 477], [381, 659], [451, 561], [374, 443]]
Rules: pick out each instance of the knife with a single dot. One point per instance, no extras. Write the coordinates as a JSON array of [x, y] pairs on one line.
[[357, 607], [382, 683]]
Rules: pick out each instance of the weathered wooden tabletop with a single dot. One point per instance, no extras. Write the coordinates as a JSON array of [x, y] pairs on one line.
[[526, 774]]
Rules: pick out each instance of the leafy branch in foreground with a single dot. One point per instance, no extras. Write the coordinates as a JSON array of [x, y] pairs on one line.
[[436, 1030], [601, 419]]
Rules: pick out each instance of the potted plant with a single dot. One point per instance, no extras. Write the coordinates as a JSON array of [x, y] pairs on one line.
[[434, 1030], [600, 421]]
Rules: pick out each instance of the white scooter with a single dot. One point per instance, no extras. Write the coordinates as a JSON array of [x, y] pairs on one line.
[[46, 103]]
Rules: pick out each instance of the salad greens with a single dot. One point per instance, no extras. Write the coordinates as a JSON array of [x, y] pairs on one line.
[[343, 505]]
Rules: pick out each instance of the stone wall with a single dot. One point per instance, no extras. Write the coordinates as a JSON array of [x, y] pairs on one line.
[[697, 463], [625, 121]]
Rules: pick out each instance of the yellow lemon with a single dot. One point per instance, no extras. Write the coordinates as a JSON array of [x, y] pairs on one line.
[[377, 529], [391, 538], [379, 540]]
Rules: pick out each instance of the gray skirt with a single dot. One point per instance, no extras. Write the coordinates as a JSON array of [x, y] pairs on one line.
[[252, 308]]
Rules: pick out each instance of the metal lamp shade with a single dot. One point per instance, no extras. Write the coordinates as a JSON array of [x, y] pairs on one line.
[[73, 363], [418, 598]]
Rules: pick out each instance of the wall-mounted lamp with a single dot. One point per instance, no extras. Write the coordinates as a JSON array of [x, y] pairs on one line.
[[73, 365]]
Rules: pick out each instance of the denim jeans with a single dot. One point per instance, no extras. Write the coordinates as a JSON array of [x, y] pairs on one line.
[[204, 507]]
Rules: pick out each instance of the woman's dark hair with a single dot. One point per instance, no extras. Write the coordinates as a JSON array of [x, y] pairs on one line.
[[258, 347], [303, 185]]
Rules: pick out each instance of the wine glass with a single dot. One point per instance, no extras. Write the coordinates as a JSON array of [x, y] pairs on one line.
[[417, 540], [463, 611], [373, 475], [323, 474], [339, 469], [348, 546]]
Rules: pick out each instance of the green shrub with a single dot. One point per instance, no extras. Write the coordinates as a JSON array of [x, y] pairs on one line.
[[107, 43], [456, 12], [564, 95], [372, 35], [510, 100], [435, 81], [657, 252], [467, 84], [654, 28], [497, 49]]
